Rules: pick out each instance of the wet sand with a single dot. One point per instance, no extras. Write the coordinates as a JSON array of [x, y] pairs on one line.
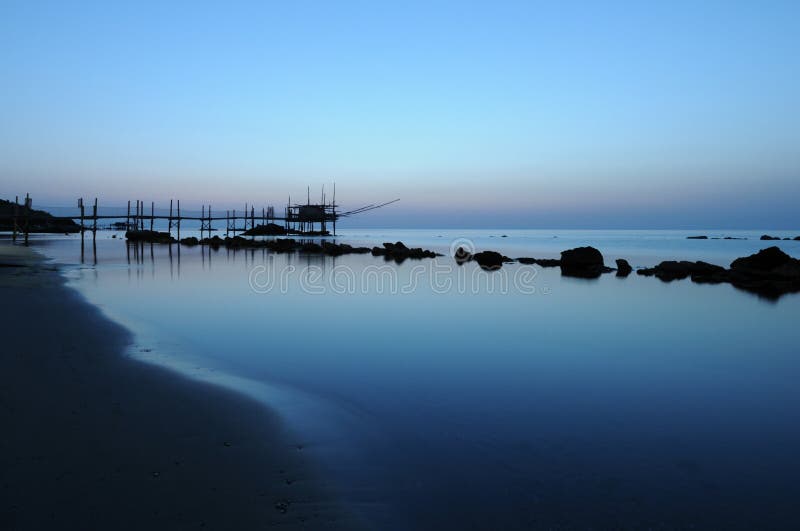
[[92, 439]]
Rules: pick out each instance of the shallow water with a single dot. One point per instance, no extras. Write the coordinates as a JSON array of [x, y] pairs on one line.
[[442, 397]]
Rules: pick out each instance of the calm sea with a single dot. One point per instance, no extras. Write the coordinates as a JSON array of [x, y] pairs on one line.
[[432, 396]]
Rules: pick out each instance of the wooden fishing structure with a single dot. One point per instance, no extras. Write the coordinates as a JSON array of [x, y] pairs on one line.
[[311, 219]]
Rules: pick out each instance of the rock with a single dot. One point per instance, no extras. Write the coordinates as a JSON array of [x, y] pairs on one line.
[[697, 237], [270, 229], [673, 270], [544, 262], [149, 236], [768, 237], [462, 256], [797, 238], [191, 240], [584, 262], [623, 268], [490, 259], [399, 252], [763, 261]]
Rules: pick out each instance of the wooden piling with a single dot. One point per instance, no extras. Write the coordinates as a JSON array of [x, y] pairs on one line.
[[152, 214], [28, 204], [16, 217], [80, 205], [128, 219], [94, 216]]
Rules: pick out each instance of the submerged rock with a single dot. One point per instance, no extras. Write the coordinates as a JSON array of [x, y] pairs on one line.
[[544, 262], [768, 237]]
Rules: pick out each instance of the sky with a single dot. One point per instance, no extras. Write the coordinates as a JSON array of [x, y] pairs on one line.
[[475, 114]]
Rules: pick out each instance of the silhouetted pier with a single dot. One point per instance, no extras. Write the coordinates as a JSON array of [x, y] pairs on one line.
[[298, 218]]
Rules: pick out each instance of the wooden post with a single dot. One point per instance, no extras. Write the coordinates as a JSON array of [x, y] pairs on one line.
[[152, 214], [334, 209], [141, 216], [234, 223], [179, 221], [169, 223], [16, 216], [227, 223], [94, 216], [128, 220], [28, 204], [209, 221], [80, 205], [202, 216]]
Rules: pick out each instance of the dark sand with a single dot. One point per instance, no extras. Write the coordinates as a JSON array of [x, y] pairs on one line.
[[92, 439]]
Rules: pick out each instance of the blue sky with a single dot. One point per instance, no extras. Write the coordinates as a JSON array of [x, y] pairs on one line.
[[502, 114]]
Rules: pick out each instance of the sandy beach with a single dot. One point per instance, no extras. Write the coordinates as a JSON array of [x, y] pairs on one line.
[[93, 439]]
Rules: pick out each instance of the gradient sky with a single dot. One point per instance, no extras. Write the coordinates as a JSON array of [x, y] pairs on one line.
[[498, 114]]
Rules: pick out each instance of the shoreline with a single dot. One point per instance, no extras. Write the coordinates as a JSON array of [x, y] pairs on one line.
[[97, 439]]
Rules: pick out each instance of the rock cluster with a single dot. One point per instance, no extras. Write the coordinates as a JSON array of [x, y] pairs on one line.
[[489, 260], [399, 252], [543, 262], [673, 270], [770, 272], [149, 236], [270, 229]]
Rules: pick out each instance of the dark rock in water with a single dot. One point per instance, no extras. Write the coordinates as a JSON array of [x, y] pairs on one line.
[[797, 238], [770, 273], [399, 252], [673, 270], [763, 261], [270, 229], [697, 237], [149, 236], [584, 262], [768, 237], [544, 262], [623, 268], [333, 249], [462, 256], [190, 241], [490, 259], [733, 238]]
